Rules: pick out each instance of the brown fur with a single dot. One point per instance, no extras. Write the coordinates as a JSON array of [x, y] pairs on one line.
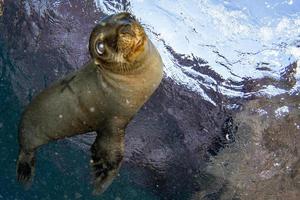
[[103, 96]]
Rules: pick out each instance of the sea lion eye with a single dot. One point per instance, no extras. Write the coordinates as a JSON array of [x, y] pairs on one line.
[[100, 48]]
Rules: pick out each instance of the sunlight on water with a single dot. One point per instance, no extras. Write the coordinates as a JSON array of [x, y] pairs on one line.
[[232, 37]]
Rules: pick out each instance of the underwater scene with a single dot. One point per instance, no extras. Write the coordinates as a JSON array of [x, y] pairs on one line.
[[223, 124]]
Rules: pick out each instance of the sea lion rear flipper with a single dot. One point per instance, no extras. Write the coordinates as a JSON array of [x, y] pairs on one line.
[[25, 168], [107, 154]]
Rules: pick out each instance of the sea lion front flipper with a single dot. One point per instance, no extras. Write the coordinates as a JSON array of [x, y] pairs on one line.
[[107, 154]]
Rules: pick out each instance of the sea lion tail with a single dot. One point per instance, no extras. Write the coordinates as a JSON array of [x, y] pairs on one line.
[[25, 168]]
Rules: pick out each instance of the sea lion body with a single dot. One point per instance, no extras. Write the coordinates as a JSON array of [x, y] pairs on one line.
[[103, 96], [86, 99]]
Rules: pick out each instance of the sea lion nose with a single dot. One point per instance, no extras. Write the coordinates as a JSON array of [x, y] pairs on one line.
[[127, 29], [126, 16]]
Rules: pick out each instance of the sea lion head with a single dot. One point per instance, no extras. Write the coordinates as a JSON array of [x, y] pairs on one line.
[[117, 41]]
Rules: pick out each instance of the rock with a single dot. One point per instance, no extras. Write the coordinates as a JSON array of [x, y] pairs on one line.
[[264, 162], [288, 74]]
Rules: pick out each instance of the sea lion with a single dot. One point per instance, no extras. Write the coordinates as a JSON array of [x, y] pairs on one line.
[[103, 96]]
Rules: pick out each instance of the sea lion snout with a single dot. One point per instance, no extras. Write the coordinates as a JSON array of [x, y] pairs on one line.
[[131, 40], [131, 36], [127, 29]]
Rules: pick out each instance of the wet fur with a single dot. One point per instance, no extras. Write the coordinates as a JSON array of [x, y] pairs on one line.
[[95, 98]]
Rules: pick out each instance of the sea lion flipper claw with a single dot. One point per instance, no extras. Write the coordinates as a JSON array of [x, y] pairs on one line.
[[107, 155]]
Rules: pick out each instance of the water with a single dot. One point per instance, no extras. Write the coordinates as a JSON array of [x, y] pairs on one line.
[[224, 60]]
